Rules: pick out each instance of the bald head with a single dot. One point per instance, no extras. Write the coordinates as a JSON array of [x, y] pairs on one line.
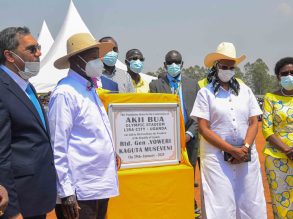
[[109, 39], [173, 56], [133, 53]]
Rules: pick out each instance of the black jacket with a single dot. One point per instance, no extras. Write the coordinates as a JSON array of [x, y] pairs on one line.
[[189, 92], [26, 158]]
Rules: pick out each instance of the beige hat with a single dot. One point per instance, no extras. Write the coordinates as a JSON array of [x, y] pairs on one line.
[[224, 51], [78, 43]]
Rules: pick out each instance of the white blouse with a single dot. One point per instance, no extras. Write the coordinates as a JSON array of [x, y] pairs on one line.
[[227, 114]]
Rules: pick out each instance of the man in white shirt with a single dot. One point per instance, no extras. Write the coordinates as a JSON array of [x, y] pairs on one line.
[[84, 153]]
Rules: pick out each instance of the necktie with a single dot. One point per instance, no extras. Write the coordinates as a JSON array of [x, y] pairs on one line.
[[35, 101], [176, 86]]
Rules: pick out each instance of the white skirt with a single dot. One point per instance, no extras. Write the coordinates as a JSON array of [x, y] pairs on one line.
[[231, 191]]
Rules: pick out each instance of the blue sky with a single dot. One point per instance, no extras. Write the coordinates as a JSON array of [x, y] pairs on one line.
[[259, 29]]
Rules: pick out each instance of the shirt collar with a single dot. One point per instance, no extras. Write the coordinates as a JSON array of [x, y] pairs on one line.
[[21, 83], [177, 79], [105, 73], [77, 77], [139, 84]]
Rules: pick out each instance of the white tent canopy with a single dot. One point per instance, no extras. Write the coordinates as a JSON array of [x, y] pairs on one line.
[[49, 76], [45, 40]]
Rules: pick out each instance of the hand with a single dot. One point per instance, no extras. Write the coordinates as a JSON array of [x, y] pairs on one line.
[[70, 207], [240, 154], [18, 216], [118, 161], [3, 200], [187, 138], [289, 153]]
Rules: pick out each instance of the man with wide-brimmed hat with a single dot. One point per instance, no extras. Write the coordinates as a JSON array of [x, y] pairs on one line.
[[84, 154], [227, 111]]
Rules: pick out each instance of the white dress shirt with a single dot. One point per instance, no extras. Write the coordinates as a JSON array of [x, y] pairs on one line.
[[82, 141]]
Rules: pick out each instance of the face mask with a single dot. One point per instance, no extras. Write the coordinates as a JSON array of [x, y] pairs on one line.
[[110, 58], [173, 70], [31, 69], [93, 68], [287, 82], [136, 66], [225, 75]]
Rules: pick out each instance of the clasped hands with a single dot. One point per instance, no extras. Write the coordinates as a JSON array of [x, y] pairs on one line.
[[239, 154]]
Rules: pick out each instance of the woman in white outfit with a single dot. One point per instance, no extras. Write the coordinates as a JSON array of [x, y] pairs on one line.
[[227, 111]]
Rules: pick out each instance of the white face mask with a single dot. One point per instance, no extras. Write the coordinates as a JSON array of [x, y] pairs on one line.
[[225, 75], [287, 82], [31, 69], [93, 68]]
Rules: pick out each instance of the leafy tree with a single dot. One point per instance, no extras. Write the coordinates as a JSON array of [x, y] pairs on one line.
[[258, 78]]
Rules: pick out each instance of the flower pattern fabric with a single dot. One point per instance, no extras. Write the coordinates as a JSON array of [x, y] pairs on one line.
[[278, 120]]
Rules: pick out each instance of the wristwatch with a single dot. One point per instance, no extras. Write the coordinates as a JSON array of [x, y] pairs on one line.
[[247, 145]]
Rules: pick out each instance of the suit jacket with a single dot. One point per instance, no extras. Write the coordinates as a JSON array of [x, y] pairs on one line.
[[189, 91], [26, 158]]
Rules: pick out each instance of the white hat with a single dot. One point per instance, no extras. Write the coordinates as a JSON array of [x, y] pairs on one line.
[[224, 51]]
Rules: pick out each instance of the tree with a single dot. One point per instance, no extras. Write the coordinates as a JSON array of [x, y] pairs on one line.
[[196, 72], [258, 78], [239, 74], [156, 73]]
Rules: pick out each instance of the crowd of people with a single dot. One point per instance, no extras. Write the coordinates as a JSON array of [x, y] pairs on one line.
[[62, 153]]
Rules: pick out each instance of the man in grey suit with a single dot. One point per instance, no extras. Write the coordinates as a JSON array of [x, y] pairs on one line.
[[174, 82]]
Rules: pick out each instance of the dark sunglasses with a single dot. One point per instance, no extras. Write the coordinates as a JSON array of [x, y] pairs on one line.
[[225, 67], [136, 58], [286, 73], [33, 48], [171, 62]]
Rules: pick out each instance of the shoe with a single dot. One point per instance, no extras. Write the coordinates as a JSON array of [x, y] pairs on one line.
[[197, 216], [197, 213]]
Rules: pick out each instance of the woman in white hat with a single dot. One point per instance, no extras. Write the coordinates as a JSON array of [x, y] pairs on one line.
[[227, 111]]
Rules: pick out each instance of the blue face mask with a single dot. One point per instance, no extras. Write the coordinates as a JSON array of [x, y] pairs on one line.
[[136, 66], [173, 70], [110, 58], [287, 82]]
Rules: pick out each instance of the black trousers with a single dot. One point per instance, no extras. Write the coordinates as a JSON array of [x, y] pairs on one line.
[[91, 209]]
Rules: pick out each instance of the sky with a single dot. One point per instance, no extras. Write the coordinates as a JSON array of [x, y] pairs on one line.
[[258, 28]]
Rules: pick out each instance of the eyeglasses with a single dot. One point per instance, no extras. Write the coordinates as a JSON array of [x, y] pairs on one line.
[[286, 73], [33, 48], [171, 62], [136, 58], [226, 67]]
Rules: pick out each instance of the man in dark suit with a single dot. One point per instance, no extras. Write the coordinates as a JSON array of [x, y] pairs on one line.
[[174, 82], [26, 158]]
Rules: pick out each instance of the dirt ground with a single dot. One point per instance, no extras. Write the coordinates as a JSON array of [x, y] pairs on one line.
[[259, 144]]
